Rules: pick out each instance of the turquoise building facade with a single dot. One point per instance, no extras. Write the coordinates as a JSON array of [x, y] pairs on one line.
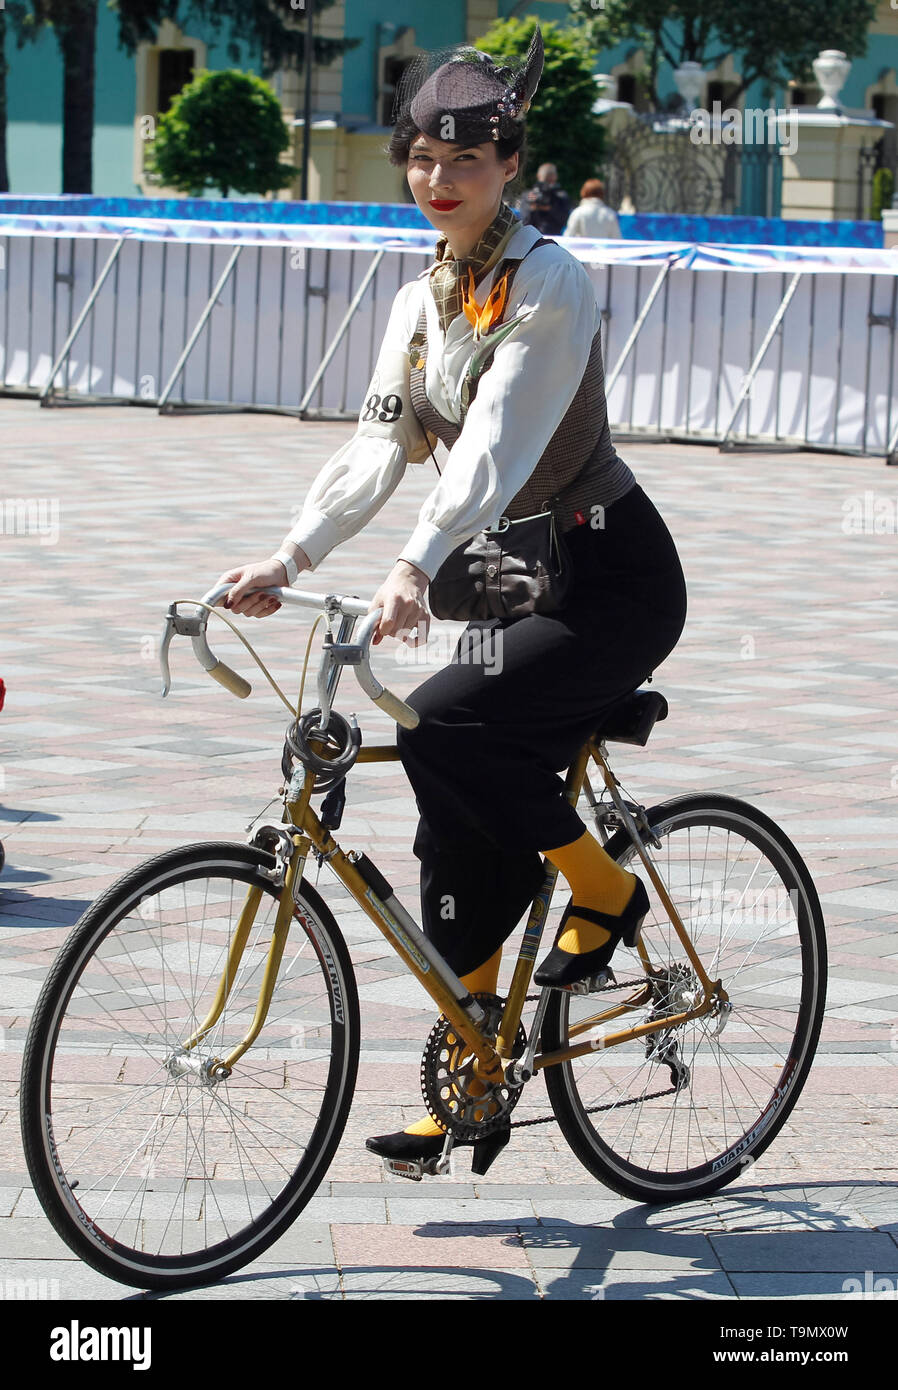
[[34, 80]]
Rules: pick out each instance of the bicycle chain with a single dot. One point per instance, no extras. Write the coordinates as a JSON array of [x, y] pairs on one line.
[[595, 1109]]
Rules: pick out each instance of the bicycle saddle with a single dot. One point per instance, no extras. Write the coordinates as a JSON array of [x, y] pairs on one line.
[[632, 719]]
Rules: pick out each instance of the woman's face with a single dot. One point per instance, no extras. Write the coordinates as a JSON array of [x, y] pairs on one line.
[[458, 189]]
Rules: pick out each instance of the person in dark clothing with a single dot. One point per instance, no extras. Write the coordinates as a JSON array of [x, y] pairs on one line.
[[485, 757], [546, 206]]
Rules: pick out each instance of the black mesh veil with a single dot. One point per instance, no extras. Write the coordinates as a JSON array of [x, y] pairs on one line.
[[460, 93]]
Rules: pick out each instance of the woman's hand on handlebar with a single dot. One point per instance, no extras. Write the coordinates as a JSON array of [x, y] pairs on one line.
[[247, 578], [402, 598]]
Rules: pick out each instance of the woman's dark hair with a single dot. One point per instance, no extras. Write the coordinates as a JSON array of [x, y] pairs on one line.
[[405, 132], [593, 188]]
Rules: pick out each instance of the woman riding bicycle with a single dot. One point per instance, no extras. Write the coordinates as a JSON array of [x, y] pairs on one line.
[[492, 738]]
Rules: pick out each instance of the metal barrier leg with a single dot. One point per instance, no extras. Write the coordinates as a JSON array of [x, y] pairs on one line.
[[47, 393], [892, 454], [341, 331], [200, 325], [634, 332], [761, 353]]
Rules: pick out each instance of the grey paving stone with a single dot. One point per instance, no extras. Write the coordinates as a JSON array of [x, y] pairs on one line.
[[398, 1189], [264, 1281], [801, 1287], [51, 1280], [796, 1251], [621, 1216], [494, 1285], [511, 1214], [347, 1211], [619, 1285], [558, 1247], [304, 1242], [9, 1196], [32, 1238]]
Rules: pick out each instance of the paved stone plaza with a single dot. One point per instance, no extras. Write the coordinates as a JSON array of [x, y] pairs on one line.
[[782, 691]]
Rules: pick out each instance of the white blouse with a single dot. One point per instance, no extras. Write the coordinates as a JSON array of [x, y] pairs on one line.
[[521, 400]]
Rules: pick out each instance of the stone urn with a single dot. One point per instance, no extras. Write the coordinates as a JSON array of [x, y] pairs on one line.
[[690, 80], [831, 68]]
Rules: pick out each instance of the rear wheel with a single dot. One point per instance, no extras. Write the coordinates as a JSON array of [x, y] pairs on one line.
[[681, 1112], [153, 1169]]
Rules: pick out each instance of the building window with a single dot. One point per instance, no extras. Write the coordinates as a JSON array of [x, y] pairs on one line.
[[626, 88], [724, 92], [392, 74], [175, 71], [808, 95]]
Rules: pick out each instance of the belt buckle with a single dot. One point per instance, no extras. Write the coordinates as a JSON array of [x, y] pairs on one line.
[[501, 525]]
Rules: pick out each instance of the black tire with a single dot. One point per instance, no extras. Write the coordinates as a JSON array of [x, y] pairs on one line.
[[131, 983], [639, 1145]]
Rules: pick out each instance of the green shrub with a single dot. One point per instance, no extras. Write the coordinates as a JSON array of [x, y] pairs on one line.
[[224, 130]]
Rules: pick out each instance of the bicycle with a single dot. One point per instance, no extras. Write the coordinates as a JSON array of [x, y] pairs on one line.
[[192, 1056]]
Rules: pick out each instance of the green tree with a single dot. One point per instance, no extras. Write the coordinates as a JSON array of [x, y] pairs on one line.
[[74, 23], [224, 130], [561, 126], [773, 42]]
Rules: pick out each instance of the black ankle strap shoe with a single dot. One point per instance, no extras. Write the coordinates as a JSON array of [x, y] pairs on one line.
[[561, 968]]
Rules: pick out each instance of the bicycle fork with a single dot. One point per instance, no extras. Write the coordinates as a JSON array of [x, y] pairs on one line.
[[218, 1068]]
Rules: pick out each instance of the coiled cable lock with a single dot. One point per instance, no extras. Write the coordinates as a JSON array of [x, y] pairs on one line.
[[344, 738]]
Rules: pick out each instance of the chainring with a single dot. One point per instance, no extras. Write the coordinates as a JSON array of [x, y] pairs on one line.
[[447, 1074]]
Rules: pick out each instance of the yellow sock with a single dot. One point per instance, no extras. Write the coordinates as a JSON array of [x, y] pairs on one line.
[[483, 980], [595, 881]]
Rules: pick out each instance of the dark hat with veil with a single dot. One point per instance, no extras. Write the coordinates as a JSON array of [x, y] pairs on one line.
[[461, 95]]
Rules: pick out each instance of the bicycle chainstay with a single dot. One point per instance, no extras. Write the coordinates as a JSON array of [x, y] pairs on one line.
[[595, 1109]]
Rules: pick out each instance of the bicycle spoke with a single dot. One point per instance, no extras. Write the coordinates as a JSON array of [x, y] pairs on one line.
[[725, 877], [170, 1157]]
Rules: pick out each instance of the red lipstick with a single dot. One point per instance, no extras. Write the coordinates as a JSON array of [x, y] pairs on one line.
[[441, 204]]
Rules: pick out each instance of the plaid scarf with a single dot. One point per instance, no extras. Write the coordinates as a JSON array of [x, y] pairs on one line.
[[448, 275]]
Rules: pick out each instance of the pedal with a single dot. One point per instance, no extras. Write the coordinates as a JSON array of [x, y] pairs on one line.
[[594, 982], [410, 1168], [403, 1168]]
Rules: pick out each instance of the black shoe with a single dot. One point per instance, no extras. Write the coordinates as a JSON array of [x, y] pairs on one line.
[[408, 1148], [562, 968], [422, 1148]]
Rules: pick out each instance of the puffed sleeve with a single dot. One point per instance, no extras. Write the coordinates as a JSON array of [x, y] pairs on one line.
[[357, 480], [520, 402]]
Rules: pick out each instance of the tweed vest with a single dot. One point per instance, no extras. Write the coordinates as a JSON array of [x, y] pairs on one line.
[[580, 465]]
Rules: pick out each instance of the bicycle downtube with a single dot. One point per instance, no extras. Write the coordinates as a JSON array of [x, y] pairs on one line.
[[376, 897]]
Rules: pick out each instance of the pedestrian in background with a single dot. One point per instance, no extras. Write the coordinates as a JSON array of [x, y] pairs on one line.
[[593, 217], [546, 206]]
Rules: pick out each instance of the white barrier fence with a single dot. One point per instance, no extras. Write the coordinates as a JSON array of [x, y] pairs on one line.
[[765, 345]]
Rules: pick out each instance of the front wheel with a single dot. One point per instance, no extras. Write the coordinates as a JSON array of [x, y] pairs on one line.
[[681, 1112], [153, 1169]]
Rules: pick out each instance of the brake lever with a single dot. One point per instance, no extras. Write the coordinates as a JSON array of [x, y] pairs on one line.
[[184, 627]]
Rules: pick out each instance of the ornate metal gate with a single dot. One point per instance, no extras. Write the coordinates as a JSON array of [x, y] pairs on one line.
[[656, 164]]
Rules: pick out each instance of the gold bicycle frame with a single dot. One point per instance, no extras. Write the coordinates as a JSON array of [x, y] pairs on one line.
[[492, 1056]]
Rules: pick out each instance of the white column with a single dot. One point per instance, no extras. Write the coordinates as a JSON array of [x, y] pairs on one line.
[[480, 15]]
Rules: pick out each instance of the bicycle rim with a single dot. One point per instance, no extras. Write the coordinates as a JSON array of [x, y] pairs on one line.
[[750, 908], [153, 1171]]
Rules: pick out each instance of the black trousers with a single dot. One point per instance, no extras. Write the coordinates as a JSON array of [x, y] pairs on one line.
[[517, 701]]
